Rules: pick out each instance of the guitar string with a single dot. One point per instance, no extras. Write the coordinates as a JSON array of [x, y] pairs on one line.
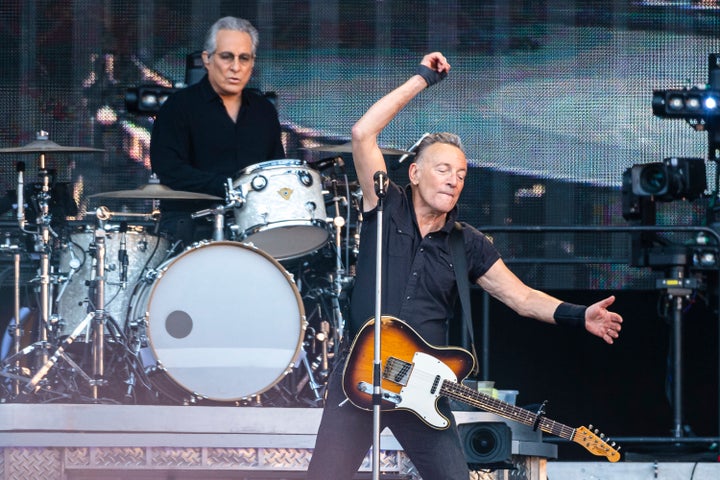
[[400, 369], [395, 367]]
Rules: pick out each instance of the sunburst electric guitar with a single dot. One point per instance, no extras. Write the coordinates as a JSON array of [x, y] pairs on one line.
[[415, 374]]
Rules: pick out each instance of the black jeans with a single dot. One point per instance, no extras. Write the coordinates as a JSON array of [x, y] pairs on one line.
[[346, 434]]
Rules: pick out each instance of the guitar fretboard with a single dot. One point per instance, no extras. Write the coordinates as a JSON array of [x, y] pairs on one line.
[[397, 371], [490, 404]]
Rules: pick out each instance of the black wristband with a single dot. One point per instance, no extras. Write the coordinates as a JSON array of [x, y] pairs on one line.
[[570, 315], [430, 76]]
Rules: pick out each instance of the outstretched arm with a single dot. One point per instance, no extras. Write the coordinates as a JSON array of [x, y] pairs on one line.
[[504, 285], [367, 156]]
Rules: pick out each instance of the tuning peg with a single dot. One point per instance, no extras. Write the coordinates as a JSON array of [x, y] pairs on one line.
[[590, 427]]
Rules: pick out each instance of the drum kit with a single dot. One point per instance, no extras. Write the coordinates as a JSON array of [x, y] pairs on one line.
[[121, 314]]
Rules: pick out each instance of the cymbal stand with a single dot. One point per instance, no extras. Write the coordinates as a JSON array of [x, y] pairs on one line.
[[15, 329], [96, 321], [340, 277], [17, 332], [42, 244]]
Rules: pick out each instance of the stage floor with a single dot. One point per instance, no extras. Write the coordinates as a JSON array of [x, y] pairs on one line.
[[113, 442], [146, 442]]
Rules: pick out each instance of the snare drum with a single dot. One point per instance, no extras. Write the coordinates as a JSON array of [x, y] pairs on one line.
[[284, 210], [223, 321], [144, 251]]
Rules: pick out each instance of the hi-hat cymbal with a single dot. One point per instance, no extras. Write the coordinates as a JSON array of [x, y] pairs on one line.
[[47, 146], [155, 191], [347, 148]]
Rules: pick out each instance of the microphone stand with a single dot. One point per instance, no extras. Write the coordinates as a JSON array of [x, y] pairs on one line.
[[380, 179]]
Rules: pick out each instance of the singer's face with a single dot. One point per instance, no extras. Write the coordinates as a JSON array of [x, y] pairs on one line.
[[438, 177]]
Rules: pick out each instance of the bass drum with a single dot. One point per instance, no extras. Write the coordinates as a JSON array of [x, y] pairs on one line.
[[224, 322]]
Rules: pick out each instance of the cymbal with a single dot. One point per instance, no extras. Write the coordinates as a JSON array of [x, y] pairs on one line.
[[46, 146], [347, 148], [155, 191]]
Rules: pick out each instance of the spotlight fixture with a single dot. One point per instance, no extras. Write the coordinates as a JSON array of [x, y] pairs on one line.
[[689, 103], [146, 99]]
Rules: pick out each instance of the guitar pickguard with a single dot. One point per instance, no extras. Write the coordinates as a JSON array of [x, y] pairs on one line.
[[422, 389]]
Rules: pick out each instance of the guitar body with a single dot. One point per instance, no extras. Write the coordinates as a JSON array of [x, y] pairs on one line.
[[429, 365], [414, 374]]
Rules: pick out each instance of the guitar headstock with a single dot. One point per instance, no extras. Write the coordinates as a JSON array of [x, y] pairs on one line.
[[596, 443]]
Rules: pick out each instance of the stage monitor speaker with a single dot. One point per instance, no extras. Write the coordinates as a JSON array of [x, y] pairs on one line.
[[487, 445]]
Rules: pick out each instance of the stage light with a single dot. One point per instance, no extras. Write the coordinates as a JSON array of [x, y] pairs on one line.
[[146, 98], [689, 103], [711, 103], [672, 179], [705, 258]]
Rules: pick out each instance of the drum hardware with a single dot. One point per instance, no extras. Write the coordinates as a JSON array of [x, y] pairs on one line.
[[17, 333], [338, 279], [218, 214], [95, 321], [41, 145], [316, 387], [103, 214]]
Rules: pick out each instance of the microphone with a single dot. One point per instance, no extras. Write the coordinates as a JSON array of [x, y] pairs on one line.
[[411, 150], [381, 180], [122, 255], [20, 194]]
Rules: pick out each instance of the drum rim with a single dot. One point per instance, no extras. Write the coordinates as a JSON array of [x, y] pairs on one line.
[[193, 394], [260, 228], [282, 162]]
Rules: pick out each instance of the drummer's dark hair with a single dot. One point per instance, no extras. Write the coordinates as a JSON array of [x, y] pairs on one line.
[[230, 23]]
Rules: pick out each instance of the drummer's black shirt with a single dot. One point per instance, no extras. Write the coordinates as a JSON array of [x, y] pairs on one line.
[[195, 145], [418, 281]]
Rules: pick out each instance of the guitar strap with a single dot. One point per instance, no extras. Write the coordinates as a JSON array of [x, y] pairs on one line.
[[457, 249]]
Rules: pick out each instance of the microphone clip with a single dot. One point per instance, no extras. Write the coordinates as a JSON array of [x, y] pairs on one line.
[[380, 180]]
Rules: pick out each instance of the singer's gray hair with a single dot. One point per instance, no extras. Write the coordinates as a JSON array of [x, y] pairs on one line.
[[442, 137]]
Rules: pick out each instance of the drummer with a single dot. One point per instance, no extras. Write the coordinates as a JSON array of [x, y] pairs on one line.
[[210, 131]]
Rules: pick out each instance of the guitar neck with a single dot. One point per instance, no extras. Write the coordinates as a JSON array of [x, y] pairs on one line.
[[464, 394]]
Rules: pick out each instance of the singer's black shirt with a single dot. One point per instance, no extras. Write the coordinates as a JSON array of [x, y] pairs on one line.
[[418, 281]]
